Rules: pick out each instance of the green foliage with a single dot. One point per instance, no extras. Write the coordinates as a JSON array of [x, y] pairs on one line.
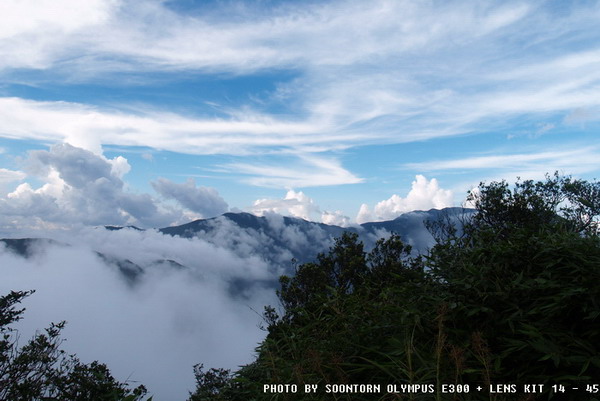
[[336, 274], [524, 278], [512, 295], [40, 370], [212, 384]]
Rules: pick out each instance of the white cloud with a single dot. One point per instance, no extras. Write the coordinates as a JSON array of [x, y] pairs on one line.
[[574, 160], [89, 127], [146, 34], [336, 218], [7, 176], [79, 188], [366, 72], [530, 164], [203, 200], [298, 204], [295, 204], [33, 17], [310, 171], [119, 166], [424, 195], [364, 214], [40, 33]]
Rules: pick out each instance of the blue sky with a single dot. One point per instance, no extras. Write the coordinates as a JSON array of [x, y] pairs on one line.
[[158, 112]]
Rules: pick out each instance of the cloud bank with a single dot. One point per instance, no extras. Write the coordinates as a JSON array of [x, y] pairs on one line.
[[175, 315]]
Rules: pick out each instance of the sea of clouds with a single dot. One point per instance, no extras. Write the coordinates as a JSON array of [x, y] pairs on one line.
[[151, 330]]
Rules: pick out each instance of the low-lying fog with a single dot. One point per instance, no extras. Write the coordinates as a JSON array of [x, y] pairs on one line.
[[179, 312]]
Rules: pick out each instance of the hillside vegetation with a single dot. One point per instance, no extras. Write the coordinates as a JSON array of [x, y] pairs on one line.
[[510, 296]]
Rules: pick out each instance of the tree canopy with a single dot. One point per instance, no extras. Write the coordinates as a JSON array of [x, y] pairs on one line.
[[509, 295]]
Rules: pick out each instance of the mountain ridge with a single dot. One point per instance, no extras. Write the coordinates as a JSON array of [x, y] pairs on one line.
[[305, 239], [280, 241]]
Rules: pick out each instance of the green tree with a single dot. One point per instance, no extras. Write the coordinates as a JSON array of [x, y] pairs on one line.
[[523, 282], [211, 384]]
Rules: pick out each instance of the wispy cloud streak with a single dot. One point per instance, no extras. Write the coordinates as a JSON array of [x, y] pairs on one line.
[[579, 160], [367, 72]]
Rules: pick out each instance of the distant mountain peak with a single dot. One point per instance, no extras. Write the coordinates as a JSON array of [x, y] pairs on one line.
[[117, 228]]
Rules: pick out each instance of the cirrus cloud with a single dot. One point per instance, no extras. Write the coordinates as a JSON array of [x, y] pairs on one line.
[[364, 72]]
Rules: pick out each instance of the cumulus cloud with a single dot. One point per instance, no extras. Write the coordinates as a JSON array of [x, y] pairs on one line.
[[295, 204], [80, 187], [202, 200], [424, 194], [76, 167], [364, 214], [298, 204], [336, 218]]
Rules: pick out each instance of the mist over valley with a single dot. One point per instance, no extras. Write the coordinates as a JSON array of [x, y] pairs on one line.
[[152, 303]]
